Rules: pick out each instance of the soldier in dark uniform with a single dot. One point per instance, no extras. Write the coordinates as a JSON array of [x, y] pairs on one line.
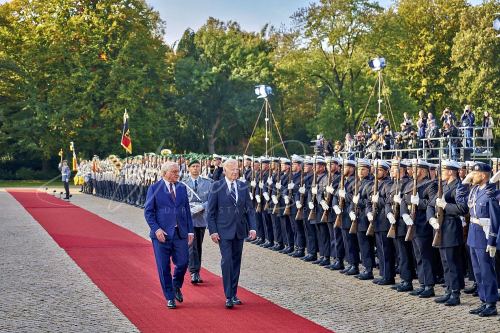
[[357, 210], [480, 239], [451, 232], [393, 209], [311, 237], [287, 228], [289, 198], [350, 240], [265, 197], [218, 170], [385, 247], [422, 242], [275, 219], [255, 196]]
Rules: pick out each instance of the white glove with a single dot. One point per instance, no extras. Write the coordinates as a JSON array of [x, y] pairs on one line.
[[266, 196], [291, 186], [414, 199], [369, 215], [261, 184], [311, 205], [253, 183], [441, 202], [324, 205], [298, 204], [463, 221], [492, 250], [269, 180], [355, 199], [278, 186], [302, 189], [434, 223], [251, 195], [314, 190], [337, 209], [375, 198], [397, 198], [391, 218], [287, 199], [275, 199], [257, 198], [342, 193], [329, 189], [243, 179], [407, 219], [352, 216]]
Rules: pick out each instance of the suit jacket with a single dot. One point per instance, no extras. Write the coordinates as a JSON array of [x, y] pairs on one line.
[[227, 219], [203, 189], [161, 211]]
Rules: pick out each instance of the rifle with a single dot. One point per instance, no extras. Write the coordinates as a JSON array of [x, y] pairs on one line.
[[312, 213], [395, 207], [258, 209], [440, 211], [338, 219], [354, 224], [300, 212], [271, 175], [371, 228], [286, 212], [326, 213], [276, 207], [410, 232]]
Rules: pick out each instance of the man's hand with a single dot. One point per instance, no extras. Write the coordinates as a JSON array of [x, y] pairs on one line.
[[252, 234], [215, 237], [337, 209], [278, 186], [302, 189], [407, 219], [314, 190], [160, 235], [414, 199], [287, 199], [441, 202], [369, 215], [324, 205], [253, 183], [266, 196], [355, 199], [375, 198], [391, 218], [342, 193], [190, 238], [352, 216], [397, 198], [434, 223], [329, 189], [291, 186], [298, 204], [492, 250]]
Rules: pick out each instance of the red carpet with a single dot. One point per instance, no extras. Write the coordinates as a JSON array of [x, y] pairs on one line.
[[122, 265]]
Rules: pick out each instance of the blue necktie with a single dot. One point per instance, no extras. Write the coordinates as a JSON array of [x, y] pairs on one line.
[[233, 193], [196, 185]]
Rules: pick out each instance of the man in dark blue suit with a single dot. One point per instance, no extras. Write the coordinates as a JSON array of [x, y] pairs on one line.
[[168, 214], [230, 215]]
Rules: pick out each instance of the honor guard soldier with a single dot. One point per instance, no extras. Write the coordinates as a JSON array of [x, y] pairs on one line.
[[279, 192], [311, 237], [290, 194], [266, 178]]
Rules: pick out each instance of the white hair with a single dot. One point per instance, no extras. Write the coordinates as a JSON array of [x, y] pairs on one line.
[[167, 166], [229, 162]]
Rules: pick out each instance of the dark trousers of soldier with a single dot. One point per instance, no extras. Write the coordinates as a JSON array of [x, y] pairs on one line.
[[311, 236], [405, 259], [268, 226], [300, 234], [367, 250], [337, 249], [470, 269], [66, 189], [437, 266], [195, 250], [484, 271], [351, 246], [453, 273], [260, 226], [386, 255], [278, 234], [323, 239], [423, 250], [288, 231]]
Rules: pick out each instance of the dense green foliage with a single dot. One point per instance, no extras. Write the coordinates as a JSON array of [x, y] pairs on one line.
[[69, 69]]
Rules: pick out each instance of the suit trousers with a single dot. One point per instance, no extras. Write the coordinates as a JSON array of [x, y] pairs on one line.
[[231, 250], [195, 250], [176, 249]]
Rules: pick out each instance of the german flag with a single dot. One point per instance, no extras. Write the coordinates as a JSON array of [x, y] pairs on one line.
[[126, 140]]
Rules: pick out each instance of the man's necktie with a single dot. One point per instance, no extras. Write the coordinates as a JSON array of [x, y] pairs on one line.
[[196, 185], [172, 192], [233, 193]]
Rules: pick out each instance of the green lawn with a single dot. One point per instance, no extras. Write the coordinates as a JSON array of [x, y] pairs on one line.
[[32, 183]]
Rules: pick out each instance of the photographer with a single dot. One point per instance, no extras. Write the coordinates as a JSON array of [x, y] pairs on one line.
[[467, 120]]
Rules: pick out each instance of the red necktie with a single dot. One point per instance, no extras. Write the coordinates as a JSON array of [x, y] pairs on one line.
[[172, 193]]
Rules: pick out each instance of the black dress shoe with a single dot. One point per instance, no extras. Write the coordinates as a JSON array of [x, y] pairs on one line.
[[285, 249], [354, 270], [337, 266], [194, 278], [317, 261], [289, 251], [229, 303], [266, 245], [444, 298], [298, 254], [309, 258], [417, 291], [489, 310], [396, 286], [325, 262], [479, 309], [346, 269], [386, 282], [171, 304], [471, 289], [427, 292], [366, 275], [454, 299], [236, 300], [178, 295]]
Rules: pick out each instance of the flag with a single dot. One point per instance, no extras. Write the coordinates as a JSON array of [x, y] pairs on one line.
[[126, 140], [75, 162]]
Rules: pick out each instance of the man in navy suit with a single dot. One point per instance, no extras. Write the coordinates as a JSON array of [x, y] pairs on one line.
[[230, 215], [168, 214]]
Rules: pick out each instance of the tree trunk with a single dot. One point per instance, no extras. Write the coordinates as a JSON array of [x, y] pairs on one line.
[[212, 137]]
